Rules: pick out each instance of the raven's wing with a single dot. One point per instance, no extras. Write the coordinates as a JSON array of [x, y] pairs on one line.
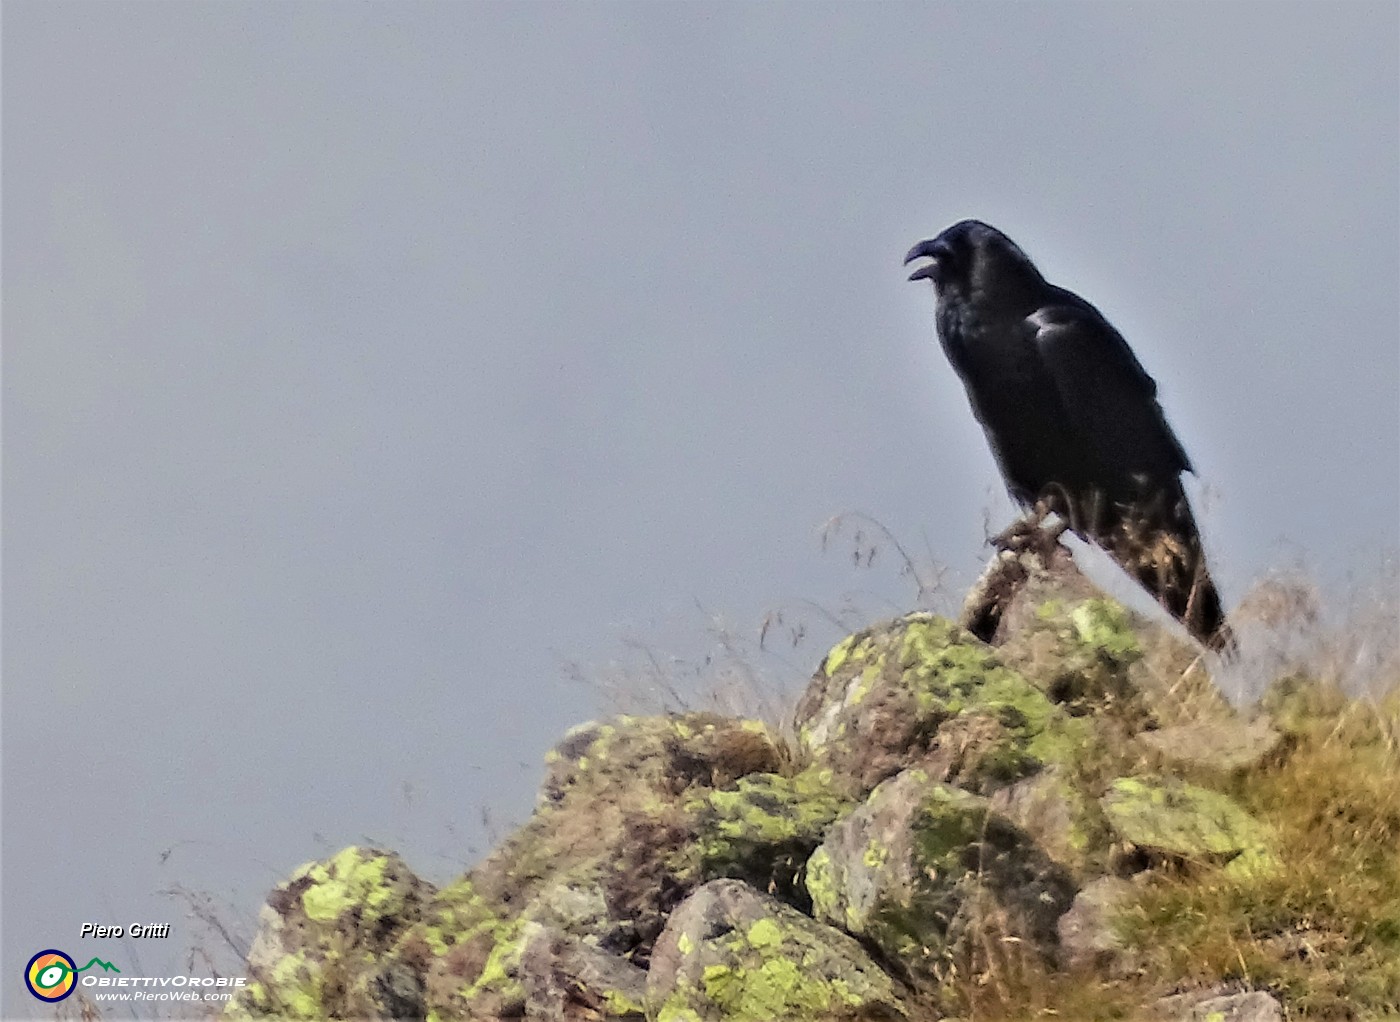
[[1140, 515], [1106, 394]]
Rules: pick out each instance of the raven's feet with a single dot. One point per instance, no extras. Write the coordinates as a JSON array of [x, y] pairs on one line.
[[1039, 531], [1029, 546]]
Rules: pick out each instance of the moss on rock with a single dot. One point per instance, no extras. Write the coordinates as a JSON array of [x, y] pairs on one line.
[[763, 829], [731, 954], [323, 934], [921, 691], [1168, 817], [910, 865]]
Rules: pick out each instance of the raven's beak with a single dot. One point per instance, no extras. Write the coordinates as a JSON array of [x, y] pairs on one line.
[[925, 249]]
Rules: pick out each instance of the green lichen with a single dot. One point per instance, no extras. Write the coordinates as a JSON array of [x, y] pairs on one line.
[[325, 909], [777, 968], [955, 675], [853, 648], [764, 933], [762, 821], [779, 988], [821, 884], [868, 677], [295, 985], [949, 820], [876, 854], [456, 915], [619, 1005], [351, 878], [776, 808], [901, 894], [604, 738], [675, 1010], [1254, 863], [1182, 819], [838, 655], [1105, 625], [498, 975]]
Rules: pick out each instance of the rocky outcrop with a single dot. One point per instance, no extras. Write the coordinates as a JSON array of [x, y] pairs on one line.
[[945, 802], [921, 866]]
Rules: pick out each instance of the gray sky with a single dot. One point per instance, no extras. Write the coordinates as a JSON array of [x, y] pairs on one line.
[[364, 364]]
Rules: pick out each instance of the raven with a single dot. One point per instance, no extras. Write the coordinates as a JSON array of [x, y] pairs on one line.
[[1071, 416]]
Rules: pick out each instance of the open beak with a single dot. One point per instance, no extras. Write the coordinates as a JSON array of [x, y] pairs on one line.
[[924, 250]]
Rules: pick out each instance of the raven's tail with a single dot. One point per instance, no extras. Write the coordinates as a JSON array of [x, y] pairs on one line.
[[1157, 542]]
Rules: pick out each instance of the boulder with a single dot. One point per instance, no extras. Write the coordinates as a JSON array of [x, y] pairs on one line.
[[732, 954]]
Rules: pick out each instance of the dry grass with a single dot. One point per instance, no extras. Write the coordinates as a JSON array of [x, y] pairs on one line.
[[1324, 932]]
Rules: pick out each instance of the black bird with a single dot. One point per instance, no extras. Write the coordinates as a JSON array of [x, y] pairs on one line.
[[1071, 416]]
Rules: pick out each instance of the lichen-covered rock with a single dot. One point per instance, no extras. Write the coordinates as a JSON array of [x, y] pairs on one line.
[[558, 923], [1064, 821], [633, 814], [476, 964], [921, 864], [667, 753], [922, 692], [323, 933], [1075, 639], [567, 980], [764, 828], [731, 954], [615, 831], [1089, 939], [463, 955], [1167, 818], [1090, 654]]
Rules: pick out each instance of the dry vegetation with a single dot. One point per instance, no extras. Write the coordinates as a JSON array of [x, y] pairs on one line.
[[1322, 934]]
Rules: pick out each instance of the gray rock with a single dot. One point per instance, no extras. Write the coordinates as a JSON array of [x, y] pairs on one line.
[[922, 867], [1088, 939], [1254, 1006], [1224, 743], [567, 980], [1064, 821]]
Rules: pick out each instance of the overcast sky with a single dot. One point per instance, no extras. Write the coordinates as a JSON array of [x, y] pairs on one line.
[[366, 365]]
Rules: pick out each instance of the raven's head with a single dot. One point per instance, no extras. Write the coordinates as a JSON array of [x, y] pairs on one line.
[[972, 255]]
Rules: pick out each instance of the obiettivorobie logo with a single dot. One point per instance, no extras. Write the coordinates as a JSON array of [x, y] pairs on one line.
[[51, 975]]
